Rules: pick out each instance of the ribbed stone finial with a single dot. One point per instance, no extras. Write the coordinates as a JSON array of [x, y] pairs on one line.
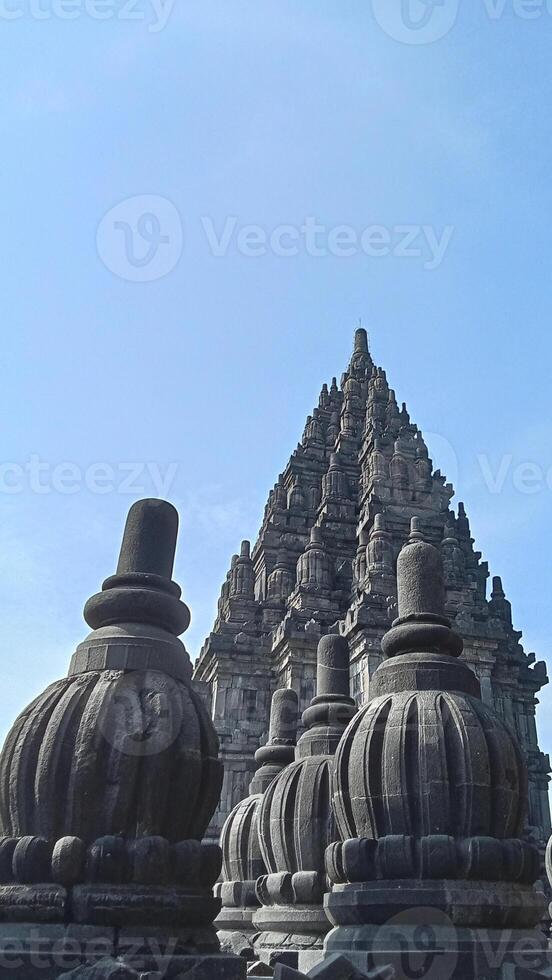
[[149, 539], [245, 550], [333, 667], [420, 581], [361, 341]]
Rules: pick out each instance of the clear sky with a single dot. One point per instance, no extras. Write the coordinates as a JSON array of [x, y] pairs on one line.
[[278, 169]]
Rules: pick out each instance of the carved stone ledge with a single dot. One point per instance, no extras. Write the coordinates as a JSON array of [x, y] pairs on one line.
[[434, 857]]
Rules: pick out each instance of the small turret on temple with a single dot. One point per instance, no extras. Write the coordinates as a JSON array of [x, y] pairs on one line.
[[108, 781], [326, 553]]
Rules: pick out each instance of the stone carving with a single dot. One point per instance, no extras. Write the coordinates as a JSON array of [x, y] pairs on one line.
[[430, 798], [278, 631], [242, 581], [314, 568], [242, 861], [109, 779], [296, 822]]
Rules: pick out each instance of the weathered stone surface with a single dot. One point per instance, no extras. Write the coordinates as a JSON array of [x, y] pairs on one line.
[[361, 471], [145, 727], [430, 795], [243, 862], [105, 970], [333, 967], [296, 821], [107, 783], [260, 969]]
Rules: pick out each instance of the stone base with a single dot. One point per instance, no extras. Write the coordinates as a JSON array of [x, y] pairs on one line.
[[235, 920], [442, 952], [291, 934], [41, 951]]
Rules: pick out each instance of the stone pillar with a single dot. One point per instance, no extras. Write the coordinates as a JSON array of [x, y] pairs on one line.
[[107, 783], [430, 799]]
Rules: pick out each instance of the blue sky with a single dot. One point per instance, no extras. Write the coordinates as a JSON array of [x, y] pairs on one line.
[[228, 127]]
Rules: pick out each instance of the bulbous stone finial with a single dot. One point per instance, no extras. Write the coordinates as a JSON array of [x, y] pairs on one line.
[[124, 734]]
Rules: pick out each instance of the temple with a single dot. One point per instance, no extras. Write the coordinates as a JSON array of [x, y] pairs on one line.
[[325, 562]]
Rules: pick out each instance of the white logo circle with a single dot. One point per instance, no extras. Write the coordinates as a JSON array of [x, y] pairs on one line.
[[141, 238], [416, 21], [140, 717], [422, 942]]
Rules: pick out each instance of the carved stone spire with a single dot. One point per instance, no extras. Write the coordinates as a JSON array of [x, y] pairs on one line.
[[314, 568], [242, 583], [281, 580], [380, 558], [430, 797], [499, 605]]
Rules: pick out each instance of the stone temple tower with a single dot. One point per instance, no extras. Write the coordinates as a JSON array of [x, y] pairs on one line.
[[325, 560]]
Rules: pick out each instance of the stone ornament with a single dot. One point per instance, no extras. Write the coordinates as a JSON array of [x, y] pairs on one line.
[[242, 861], [296, 821], [108, 780], [430, 794]]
